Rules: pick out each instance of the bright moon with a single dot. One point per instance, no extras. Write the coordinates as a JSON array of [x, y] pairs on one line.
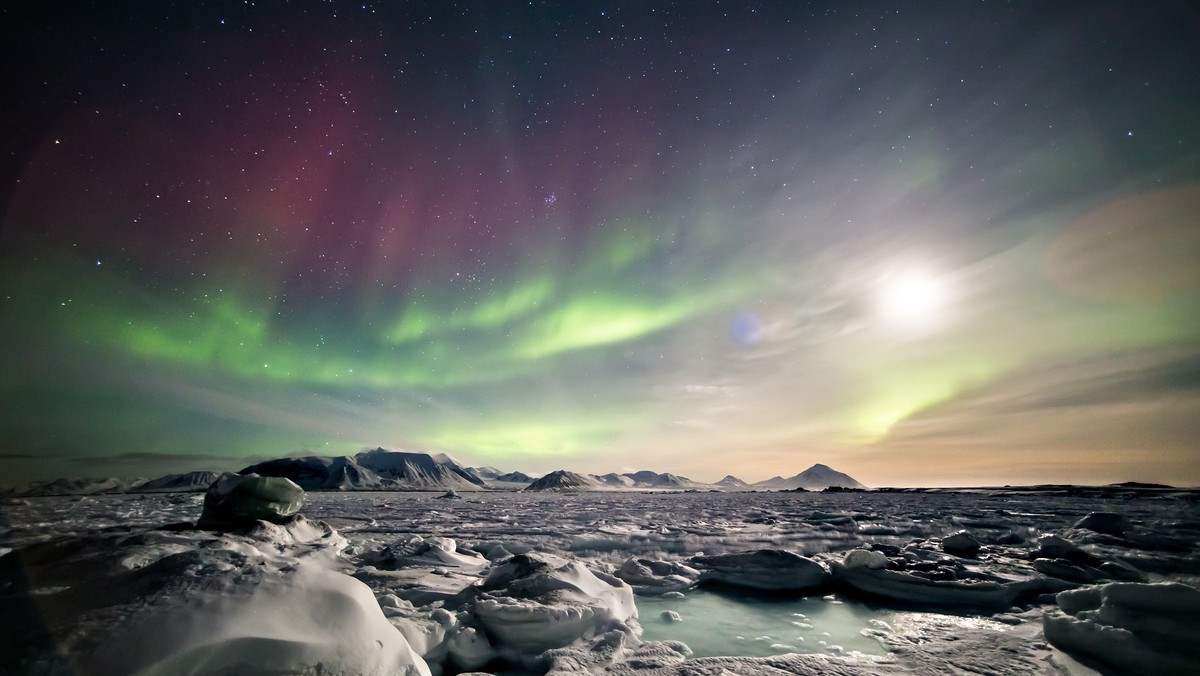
[[914, 297]]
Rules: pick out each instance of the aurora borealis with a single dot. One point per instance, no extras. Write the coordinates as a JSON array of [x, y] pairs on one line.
[[953, 243]]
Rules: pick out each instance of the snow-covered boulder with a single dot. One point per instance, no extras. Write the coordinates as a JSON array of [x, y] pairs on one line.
[[1130, 627], [764, 569], [535, 602], [238, 501]]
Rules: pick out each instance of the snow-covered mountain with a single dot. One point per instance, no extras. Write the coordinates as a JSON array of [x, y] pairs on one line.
[[485, 473], [732, 483], [188, 481], [67, 486], [562, 480], [815, 478], [514, 478], [316, 472], [418, 470], [379, 469], [648, 479], [613, 480]]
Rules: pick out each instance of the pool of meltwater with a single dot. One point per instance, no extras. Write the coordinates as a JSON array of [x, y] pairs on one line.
[[720, 623]]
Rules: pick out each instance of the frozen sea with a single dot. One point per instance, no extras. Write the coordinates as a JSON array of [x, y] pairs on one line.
[[605, 582]]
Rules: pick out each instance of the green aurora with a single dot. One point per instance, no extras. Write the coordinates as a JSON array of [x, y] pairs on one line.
[[559, 268]]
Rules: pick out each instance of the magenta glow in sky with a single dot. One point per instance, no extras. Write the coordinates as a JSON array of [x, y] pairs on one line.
[[948, 244]]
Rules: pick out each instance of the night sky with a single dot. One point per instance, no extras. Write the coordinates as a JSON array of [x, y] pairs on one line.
[[923, 243]]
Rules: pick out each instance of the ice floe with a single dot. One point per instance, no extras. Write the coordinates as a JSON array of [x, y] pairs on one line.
[[1130, 627], [764, 569]]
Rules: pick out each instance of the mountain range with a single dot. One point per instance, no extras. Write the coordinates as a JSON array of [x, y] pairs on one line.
[[382, 469], [379, 469], [815, 478]]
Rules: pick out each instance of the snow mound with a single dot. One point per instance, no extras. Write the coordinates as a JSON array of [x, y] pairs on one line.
[[236, 501], [764, 569], [535, 602], [1129, 626], [309, 621]]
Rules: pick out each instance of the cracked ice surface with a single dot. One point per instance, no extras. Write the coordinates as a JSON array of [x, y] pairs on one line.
[[536, 583]]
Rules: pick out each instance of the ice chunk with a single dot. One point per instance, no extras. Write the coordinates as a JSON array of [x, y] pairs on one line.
[[1052, 546], [1104, 522], [1123, 572], [1130, 626], [865, 558], [424, 552], [1065, 569], [534, 602], [764, 569], [238, 501], [961, 543], [908, 588], [657, 577], [656, 655]]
